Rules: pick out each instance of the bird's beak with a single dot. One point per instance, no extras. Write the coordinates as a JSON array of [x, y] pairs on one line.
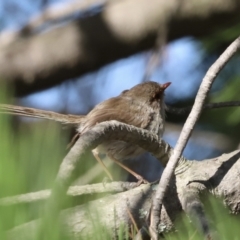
[[165, 85]]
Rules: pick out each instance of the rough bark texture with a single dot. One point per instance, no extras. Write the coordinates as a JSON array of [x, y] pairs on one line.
[[123, 28], [218, 176], [185, 134]]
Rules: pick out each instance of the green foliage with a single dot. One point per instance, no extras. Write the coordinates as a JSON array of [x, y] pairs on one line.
[[225, 120], [221, 37], [29, 160], [223, 225], [230, 92], [30, 155]]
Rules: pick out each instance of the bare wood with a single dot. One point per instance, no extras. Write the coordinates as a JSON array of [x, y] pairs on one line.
[[186, 132], [113, 187], [215, 176], [90, 140]]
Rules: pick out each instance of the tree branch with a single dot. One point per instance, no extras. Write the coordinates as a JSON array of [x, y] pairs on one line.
[[90, 140], [214, 175], [113, 187], [186, 110], [186, 132]]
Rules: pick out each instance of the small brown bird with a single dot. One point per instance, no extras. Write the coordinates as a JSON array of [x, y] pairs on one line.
[[141, 106]]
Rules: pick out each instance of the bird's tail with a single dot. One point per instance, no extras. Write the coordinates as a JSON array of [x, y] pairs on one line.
[[38, 113]]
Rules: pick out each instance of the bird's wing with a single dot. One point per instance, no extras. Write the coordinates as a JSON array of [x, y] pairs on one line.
[[122, 109]]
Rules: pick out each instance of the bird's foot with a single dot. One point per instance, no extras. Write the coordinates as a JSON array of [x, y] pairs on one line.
[[140, 179]]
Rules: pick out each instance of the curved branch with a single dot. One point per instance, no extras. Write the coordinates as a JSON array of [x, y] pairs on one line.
[[90, 140], [217, 175], [187, 130]]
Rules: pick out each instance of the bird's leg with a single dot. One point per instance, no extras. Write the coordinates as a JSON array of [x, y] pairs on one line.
[[96, 155], [137, 176]]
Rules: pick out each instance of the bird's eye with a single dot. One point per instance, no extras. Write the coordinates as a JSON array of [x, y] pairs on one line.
[[158, 95]]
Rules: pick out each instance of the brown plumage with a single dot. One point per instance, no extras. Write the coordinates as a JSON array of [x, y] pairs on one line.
[[141, 106]]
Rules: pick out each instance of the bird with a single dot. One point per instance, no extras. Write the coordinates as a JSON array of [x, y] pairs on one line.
[[141, 106]]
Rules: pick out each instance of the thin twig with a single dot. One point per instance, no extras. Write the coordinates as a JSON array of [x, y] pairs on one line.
[[186, 110], [88, 141], [92, 173], [186, 132], [132, 220], [113, 187]]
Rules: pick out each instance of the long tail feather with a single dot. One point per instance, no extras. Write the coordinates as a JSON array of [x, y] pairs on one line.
[[38, 113]]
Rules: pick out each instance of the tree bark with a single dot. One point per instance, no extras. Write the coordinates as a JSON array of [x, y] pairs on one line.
[[218, 176]]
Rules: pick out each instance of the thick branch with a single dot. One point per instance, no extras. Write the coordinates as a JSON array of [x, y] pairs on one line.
[[187, 130], [126, 27], [111, 130], [219, 176]]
